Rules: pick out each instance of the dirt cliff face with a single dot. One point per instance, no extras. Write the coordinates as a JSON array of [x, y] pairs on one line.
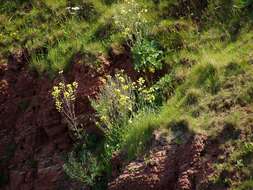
[[33, 137], [168, 166]]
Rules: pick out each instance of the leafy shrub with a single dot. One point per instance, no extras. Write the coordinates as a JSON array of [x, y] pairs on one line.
[[165, 87], [119, 102], [132, 22], [147, 56], [82, 166]]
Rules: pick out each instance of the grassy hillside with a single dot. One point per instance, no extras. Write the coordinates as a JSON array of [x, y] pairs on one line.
[[202, 48]]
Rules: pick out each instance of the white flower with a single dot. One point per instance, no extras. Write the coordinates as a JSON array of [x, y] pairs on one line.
[[75, 8]]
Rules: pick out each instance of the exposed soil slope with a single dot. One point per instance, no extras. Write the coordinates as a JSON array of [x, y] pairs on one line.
[[33, 136], [168, 166]]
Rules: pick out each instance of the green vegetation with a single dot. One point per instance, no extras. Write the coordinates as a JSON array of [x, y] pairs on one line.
[[194, 67]]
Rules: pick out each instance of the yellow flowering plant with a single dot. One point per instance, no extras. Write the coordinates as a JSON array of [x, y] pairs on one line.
[[121, 98], [116, 100], [119, 101], [145, 96], [64, 96], [130, 18]]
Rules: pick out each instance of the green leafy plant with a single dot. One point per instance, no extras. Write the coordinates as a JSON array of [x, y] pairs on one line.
[[82, 167], [247, 148], [165, 87], [147, 56]]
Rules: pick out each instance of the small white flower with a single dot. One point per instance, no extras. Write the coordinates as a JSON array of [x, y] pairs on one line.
[[75, 8]]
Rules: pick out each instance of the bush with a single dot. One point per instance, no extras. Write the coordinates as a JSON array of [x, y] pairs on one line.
[[147, 56], [82, 166], [165, 87], [116, 100], [120, 99], [119, 102]]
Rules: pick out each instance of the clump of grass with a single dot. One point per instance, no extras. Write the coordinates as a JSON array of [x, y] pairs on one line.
[[206, 76], [174, 35], [245, 185], [39, 63], [56, 5], [192, 97], [234, 69], [138, 133]]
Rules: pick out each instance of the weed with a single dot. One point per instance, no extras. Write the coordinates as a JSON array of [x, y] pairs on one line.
[[147, 56], [116, 100], [64, 96], [82, 167], [131, 20]]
